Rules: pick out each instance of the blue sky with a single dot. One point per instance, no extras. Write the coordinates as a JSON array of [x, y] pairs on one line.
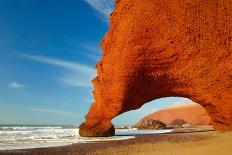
[[48, 50]]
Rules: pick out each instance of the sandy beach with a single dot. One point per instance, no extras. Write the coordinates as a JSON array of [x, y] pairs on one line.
[[198, 143], [191, 144]]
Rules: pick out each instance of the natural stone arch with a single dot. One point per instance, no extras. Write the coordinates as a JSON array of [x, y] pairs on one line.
[[162, 48]]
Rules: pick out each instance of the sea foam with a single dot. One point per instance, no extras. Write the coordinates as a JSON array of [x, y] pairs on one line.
[[23, 137]]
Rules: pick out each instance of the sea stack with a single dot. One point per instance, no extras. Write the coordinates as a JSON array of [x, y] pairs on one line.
[[162, 48]]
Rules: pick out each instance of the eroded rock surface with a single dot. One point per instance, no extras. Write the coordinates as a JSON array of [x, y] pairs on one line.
[[161, 48], [177, 123], [150, 124]]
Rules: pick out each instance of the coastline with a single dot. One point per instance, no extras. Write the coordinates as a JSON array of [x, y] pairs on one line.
[[209, 142]]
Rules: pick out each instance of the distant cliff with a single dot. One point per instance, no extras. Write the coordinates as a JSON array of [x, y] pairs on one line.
[[193, 114]]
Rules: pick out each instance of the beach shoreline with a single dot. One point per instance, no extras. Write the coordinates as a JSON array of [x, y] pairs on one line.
[[208, 142]]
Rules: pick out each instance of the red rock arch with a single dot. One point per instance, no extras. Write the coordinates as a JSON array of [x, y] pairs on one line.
[[162, 48]]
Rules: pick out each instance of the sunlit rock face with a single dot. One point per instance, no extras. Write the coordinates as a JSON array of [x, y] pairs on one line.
[[162, 48], [193, 114]]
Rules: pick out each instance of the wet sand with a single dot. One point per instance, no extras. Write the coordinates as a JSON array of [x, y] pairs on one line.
[[197, 143]]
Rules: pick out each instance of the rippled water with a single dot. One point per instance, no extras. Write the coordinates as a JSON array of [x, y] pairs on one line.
[[22, 137]]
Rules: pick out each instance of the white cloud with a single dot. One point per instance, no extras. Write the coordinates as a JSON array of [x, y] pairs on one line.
[[79, 75], [93, 57], [103, 7], [92, 50], [16, 85], [91, 47], [66, 64], [54, 112], [74, 79]]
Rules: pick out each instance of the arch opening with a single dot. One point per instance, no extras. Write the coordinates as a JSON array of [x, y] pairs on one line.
[[129, 118], [174, 112], [100, 124]]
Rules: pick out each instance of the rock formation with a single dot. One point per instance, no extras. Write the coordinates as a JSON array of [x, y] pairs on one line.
[[161, 48], [151, 125], [177, 123], [194, 114]]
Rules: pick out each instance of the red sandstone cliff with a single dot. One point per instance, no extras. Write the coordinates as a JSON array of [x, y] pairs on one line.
[[161, 48], [193, 114]]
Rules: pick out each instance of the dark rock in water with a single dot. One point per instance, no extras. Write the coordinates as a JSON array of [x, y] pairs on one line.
[[178, 123], [151, 125]]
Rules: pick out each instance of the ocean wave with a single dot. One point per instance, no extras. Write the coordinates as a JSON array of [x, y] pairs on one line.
[[34, 137], [25, 128]]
